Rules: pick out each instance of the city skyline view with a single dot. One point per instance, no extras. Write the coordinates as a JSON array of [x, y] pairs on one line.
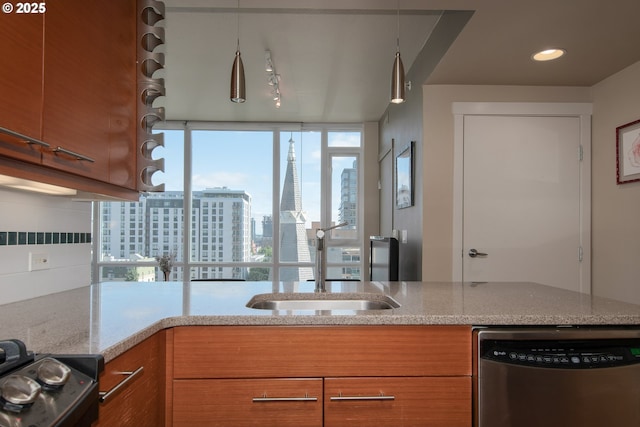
[[242, 161], [234, 190]]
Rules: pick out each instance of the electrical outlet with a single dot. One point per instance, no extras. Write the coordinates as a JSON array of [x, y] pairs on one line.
[[39, 261], [404, 236]]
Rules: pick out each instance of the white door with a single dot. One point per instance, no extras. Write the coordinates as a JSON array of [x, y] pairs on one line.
[[522, 200]]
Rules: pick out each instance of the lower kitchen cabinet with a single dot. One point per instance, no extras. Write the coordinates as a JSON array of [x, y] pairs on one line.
[[242, 403], [392, 402], [297, 402], [139, 401], [360, 375]]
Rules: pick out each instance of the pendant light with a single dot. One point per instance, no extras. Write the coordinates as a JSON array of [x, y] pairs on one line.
[[238, 91], [397, 76]]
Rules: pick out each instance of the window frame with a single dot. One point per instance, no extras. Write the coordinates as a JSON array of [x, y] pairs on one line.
[[183, 268]]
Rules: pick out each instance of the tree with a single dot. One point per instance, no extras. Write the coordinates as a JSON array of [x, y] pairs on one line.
[[131, 275], [257, 274], [267, 251]]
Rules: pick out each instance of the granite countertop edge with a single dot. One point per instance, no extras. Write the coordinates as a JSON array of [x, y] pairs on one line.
[[131, 341]]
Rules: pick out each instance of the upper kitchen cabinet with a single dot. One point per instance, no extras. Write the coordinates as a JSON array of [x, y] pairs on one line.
[[77, 99], [21, 84], [89, 109]]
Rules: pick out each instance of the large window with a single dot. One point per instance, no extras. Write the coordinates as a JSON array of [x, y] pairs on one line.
[[254, 197]]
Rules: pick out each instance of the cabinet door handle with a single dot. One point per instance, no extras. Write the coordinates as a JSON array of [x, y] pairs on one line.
[[26, 138], [264, 398], [104, 395], [73, 154], [381, 396]]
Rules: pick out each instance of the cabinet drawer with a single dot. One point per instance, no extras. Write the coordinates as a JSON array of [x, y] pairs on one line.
[[240, 403], [380, 402], [261, 351]]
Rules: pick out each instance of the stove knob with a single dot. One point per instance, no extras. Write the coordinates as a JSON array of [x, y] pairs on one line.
[[20, 390], [53, 373]]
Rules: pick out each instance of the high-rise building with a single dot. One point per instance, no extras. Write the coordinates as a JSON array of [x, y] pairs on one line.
[[225, 230], [267, 226], [349, 196], [220, 225]]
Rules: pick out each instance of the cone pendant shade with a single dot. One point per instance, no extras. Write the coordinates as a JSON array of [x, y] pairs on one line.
[[397, 80], [238, 92]]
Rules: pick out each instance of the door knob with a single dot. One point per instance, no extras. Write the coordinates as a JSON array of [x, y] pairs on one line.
[[474, 253]]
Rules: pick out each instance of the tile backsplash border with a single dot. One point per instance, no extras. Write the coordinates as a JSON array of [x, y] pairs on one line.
[[14, 238]]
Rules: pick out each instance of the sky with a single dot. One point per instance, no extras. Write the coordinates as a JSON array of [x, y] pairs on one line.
[[242, 160]]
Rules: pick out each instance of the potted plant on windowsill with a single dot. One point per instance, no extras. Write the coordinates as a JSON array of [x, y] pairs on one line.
[[165, 262]]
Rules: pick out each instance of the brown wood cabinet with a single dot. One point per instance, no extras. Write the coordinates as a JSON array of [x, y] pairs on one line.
[[140, 401], [69, 79], [384, 401], [21, 48], [90, 88], [371, 375], [248, 402]]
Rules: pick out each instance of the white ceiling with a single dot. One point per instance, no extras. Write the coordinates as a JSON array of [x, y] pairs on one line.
[[335, 56]]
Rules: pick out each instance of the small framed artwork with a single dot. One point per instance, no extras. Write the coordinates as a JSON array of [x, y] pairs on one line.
[[628, 152], [404, 177]]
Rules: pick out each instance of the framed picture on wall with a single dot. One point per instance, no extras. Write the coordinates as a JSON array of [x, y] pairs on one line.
[[628, 152], [404, 177]]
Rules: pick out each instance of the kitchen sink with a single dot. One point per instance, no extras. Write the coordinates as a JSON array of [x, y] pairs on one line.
[[323, 301]]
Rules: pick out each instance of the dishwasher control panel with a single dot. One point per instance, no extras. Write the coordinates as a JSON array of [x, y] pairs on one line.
[[578, 354]]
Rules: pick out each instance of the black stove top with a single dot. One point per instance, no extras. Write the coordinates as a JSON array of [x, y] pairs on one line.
[[47, 390]]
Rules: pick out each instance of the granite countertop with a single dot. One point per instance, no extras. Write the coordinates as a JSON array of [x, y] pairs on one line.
[[111, 317]]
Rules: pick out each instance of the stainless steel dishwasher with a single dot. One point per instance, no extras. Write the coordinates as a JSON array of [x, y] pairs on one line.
[[556, 377]]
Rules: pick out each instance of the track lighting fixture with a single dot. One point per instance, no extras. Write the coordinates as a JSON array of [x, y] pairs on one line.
[[273, 79], [268, 63]]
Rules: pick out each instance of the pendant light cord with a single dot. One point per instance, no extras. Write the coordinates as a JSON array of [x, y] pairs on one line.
[[398, 23], [238, 26]]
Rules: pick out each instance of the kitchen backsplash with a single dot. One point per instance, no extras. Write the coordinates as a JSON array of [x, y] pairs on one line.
[[42, 238], [45, 244]]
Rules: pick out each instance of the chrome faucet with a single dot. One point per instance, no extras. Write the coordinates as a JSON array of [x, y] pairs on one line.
[[321, 259]]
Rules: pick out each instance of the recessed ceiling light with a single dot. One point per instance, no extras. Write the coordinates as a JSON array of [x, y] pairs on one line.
[[548, 54]]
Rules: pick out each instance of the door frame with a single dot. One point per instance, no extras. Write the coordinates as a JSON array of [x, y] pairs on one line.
[[583, 111]]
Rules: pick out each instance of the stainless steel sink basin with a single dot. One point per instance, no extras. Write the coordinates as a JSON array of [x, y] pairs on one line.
[[322, 301]]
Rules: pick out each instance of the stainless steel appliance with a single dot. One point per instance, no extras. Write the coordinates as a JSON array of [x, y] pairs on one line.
[[47, 390], [383, 259], [569, 377]]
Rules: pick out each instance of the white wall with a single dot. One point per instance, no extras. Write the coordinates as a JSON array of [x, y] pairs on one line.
[[616, 208], [70, 263], [437, 159]]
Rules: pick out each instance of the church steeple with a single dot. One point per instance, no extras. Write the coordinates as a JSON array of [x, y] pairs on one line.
[[293, 234], [291, 196]]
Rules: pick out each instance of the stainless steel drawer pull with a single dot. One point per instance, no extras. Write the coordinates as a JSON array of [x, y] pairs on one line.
[[264, 398], [73, 154], [381, 396], [27, 139], [104, 395]]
